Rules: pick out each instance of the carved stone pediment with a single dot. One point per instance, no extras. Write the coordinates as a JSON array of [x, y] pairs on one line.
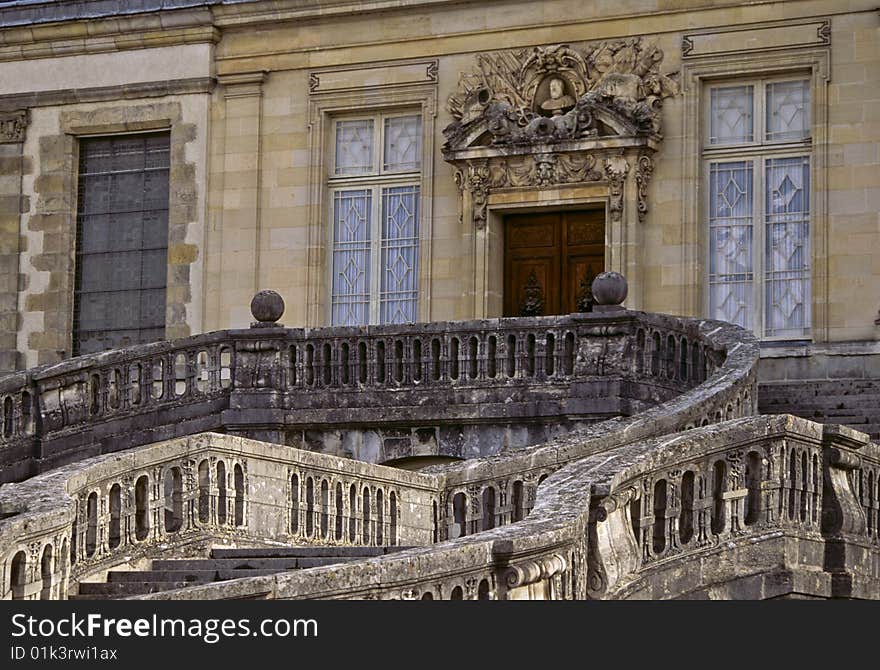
[[554, 94]]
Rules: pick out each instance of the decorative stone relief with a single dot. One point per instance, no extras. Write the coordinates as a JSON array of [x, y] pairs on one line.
[[533, 301], [13, 126], [616, 169], [644, 172], [557, 93], [556, 115]]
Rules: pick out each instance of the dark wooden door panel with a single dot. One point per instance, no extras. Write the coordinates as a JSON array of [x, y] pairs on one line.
[[579, 275], [550, 260]]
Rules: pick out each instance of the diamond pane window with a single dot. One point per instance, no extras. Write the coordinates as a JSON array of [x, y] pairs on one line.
[[731, 272], [354, 147], [121, 242], [788, 110], [400, 246], [375, 220], [731, 120], [403, 143], [757, 165], [787, 242], [351, 257]]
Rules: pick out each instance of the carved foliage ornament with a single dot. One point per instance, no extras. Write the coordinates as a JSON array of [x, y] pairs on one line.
[[558, 93]]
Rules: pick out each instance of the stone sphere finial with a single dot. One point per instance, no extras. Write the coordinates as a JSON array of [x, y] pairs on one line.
[[267, 307], [609, 291]]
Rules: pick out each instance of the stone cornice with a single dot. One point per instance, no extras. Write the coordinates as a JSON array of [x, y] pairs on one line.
[[149, 89], [71, 38]]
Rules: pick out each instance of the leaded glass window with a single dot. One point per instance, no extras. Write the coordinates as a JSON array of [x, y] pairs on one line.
[[122, 241], [757, 156], [731, 119], [375, 195]]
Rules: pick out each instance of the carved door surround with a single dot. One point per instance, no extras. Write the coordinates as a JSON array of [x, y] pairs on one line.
[[556, 126]]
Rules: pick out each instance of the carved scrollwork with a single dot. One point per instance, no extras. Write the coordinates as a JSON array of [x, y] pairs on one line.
[[559, 92], [530, 572], [644, 172]]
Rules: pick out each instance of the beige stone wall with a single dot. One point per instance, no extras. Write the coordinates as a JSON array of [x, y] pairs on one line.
[[49, 225], [283, 71]]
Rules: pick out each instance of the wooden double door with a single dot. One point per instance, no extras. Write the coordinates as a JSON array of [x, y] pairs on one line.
[[550, 260]]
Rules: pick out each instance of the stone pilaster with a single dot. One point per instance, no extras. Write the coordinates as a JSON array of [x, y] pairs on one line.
[[12, 166]]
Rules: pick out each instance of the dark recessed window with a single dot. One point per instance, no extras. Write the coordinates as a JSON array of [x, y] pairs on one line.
[[121, 241]]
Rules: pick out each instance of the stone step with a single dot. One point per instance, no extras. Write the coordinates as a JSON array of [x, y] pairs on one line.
[[838, 402], [121, 589], [304, 552], [249, 563], [191, 576]]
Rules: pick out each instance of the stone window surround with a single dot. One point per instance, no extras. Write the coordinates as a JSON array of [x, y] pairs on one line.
[[60, 219], [323, 108], [696, 74]]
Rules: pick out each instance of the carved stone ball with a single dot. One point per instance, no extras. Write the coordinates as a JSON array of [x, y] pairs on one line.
[[609, 288], [267, 306]]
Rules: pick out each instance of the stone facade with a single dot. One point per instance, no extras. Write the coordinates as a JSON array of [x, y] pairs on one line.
[[525, 109], [252, 187]]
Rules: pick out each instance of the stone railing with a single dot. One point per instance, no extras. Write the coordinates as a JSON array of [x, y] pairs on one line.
[[542, 555], [747, 522], [757, 507], [549, 380], [462, 389], [717, 374], [78, 521]]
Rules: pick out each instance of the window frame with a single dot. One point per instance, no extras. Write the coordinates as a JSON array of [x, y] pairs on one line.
[[376, 181], [758, 152]]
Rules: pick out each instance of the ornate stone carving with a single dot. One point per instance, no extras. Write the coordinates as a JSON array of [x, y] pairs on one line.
[[474, 179], [543, 169], [644, 172], [557, 93], [13, 126], [533, 298], [616, 169], [687, 45]]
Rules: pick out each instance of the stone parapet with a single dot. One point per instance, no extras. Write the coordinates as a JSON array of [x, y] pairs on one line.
[[272, 383]]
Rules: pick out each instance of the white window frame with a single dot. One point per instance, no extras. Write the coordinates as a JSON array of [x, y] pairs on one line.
[[758, 151], [374, 182]]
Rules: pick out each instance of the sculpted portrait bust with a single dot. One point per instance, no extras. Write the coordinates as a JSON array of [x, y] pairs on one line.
[[559, 101]]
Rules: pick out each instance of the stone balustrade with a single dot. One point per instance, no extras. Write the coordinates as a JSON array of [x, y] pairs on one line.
[[497, 517], [727, 511], [461, 389], [758, 507], [119, 509]]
